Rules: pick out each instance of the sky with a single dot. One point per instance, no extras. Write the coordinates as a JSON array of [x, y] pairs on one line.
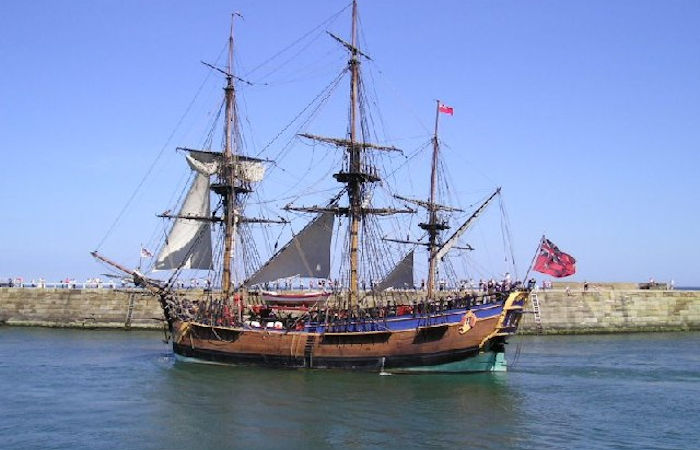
[[586, 113]]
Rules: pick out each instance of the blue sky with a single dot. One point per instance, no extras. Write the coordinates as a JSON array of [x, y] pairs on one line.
[[585, 112]]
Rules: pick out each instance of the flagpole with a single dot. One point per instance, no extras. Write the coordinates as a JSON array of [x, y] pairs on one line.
[[532, 263], [140, 256]]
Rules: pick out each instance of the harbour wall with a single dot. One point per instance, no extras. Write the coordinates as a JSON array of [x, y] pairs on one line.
[[79, 308], [613, 310], [603, 309]]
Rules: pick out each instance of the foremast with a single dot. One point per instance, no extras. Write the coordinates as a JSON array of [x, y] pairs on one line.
[[189, 246]]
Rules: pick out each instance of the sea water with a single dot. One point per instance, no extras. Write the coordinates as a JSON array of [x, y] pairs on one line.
[[68, 389]]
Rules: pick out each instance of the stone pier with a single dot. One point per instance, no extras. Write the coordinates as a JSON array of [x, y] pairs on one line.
[[605, 310], [602, 309]]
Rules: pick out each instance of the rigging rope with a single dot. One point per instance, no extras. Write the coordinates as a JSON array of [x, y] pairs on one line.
[[153, 164], [325, 93], [505, 227], [327, 21]]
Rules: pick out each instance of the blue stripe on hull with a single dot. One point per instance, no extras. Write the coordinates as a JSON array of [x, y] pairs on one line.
[[407, 322]]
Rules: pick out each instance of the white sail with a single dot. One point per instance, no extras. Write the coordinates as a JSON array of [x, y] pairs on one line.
[[202, 166], [306, 255], [251, 171], [401, 277], [188, 245], [245, 168]]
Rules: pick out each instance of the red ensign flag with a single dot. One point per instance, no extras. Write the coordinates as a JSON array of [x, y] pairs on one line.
[[446, 109], [553, 261]]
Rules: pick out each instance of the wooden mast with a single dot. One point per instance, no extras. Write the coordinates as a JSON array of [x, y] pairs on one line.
[[354, 187], [228, 175], [433, 227], [356, 174]]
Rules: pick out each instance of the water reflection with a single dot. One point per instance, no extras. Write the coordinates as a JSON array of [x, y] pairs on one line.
[[111, 389], [334, 408]]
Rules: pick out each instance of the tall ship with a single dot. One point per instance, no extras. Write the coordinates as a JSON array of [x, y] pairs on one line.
[[389, 326]]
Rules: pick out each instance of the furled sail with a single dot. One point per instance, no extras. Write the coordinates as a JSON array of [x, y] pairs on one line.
[[252, 171], [203, 166], [401, 277], [246, 168], [308, 254], [188, 245]]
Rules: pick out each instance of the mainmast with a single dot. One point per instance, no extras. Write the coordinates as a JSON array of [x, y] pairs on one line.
[[433, 227], [228, 174], [354, 185], [357, 173]]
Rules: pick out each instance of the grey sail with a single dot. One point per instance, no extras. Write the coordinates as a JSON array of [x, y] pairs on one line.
[[188, 245], [308, 254], [401, 277]]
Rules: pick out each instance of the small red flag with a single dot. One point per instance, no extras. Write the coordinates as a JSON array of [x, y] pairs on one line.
[[553, 261], [446, 109]]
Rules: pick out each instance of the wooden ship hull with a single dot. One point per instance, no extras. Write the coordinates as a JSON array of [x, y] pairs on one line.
[[445, 342]]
